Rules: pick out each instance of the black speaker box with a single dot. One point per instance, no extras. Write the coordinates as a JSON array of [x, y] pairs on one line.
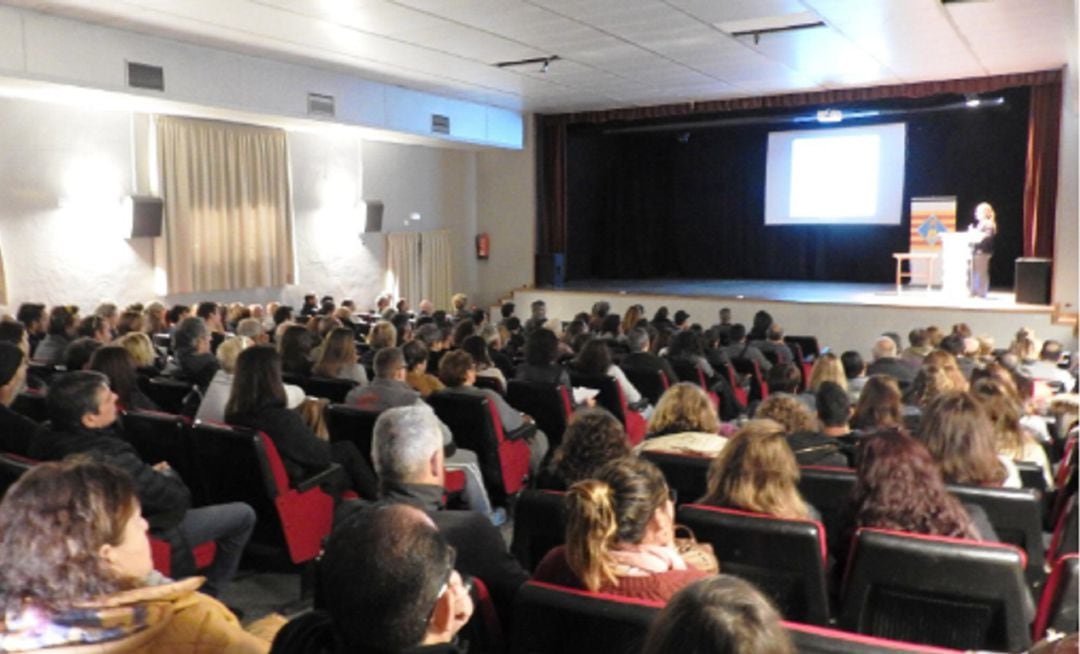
[[374, 216], [551, 269], [146, 216], [1032, 281]]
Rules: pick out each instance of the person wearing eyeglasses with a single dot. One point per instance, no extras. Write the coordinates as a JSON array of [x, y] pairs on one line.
[[390, 586]]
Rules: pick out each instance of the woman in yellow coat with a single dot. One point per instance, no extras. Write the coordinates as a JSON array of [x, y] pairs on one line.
[[76, 573]]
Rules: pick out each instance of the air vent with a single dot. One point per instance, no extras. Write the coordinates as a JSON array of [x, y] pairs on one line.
[[440, 124], [320, 105], [145, 76]]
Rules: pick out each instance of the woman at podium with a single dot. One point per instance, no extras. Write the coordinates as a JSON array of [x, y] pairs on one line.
[[982, 244]]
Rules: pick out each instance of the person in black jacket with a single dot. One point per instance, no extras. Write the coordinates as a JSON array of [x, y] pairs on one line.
[[193, 360], [408, 454], [16, 430], [82, 412], [257, 400]]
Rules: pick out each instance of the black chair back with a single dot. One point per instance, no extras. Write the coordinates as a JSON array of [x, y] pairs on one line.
[[938, 591], [687, 475], [810, 639], [490, 383], [828, 490], [165, 437], [808, 344], [328, 388], [759, 390], [651, 383], [1016, 515], [548, 404], [31, 404], [12, 466], [348, 423], [550, 619], [785, 559], [168, 394], [610, 396], [539, 525], [688, 372]]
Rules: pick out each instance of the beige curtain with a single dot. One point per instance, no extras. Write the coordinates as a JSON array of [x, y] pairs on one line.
[[228, 210], [436, 264], [403, 265]]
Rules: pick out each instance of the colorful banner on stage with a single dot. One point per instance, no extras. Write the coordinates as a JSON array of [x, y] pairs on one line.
[[930, 217]]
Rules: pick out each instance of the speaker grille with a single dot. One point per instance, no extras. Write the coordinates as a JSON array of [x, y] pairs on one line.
[[440, 124], [145, 76], [319, 104]]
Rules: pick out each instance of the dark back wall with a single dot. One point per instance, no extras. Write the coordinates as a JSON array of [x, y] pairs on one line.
[[659, 204]]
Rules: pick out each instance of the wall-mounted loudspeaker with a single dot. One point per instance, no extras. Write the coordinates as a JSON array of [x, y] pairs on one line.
[[374, 216], [146, 216]]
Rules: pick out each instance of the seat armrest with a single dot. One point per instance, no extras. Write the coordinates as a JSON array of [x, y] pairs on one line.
[[332, 473]]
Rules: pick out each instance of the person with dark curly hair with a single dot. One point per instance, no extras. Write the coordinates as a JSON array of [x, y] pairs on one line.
[[592, 438], [76, 571]]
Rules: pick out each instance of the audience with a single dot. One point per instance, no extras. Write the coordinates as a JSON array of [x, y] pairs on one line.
[[879, 405], [118, 366], [76, 572], [959, 435], [416, 366], [477, 348], [620, 536], [739, 347], [595, 360], [338, 359], [886, 362], [1011, 440], [82, 414], [718, 615], [684, 422], [832, 444], [16, 431], [294, 345], [60, 332], [855, 372], [192, 359]]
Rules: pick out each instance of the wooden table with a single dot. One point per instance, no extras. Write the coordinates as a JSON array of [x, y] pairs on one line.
[[901, 257]]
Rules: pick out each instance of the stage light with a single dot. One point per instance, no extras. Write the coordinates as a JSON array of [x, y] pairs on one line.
[[972, 101], [829, 116]]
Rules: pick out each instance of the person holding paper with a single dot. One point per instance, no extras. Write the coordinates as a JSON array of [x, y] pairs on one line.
[[982, 239]]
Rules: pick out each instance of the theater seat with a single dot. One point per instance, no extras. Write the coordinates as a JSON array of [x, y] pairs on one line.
[[475, 424], [490, 383], [31, 403], [650, 382], [785, 559], [241, 465], [689, 372], [548, 404], [12, 466], [1058, 606], [828, 489], [937, 591], [349, 423], [539, 526], [759, 390], [170, 395], [611, 398], [162, 554], [811, 639], [550, 619], [687, 475], [1016, 515], [158, 436], [333, 390]]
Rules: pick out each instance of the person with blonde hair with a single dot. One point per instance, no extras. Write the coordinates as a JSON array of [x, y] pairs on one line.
[[459, 306], [620, 536], [337, 358], [947, 362], [141, 348], [685, 422], [757, 472], [827, 367], [382, 334], [982, 233], [76, 572]]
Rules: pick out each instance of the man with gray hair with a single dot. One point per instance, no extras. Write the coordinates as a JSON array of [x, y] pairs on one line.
[[192, 359], [887, 363], [253, 328], [640, 358], [388, 390], [408, 455]]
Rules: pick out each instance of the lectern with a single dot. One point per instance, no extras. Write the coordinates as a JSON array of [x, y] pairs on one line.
[[955, 263]]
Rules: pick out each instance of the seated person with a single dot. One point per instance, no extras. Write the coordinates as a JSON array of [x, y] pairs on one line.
[[477, 347], [640, 358], [620, 536], [740, 348], [60, 332], [295, 347], [118, 365], [592, 438], [258, 401], [408, 455], [75, 571], [458, 372], [687, 348], [82, 414], [827, 368], [718, 615], [389, 390], [685, 422], [757, 472], [416, 365], [855, 372], [192, 359], [595, 360], [959, 435], [78, 352], [832, 443], [773, 343], [16, 430], [337, 358], [541, 351], [1011, 439], [886, 362], [787, 410], [879, 405]]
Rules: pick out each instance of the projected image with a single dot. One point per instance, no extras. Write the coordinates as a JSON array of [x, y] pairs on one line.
[[841, 176], [835, 176]]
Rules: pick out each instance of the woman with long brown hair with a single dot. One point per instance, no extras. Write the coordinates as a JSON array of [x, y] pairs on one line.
[[879, 405], [620, 536], [337, 357], [757, 472], [1011, 439], [959, 435]]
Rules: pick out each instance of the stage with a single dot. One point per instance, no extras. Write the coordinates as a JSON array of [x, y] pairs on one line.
[[842, 315]]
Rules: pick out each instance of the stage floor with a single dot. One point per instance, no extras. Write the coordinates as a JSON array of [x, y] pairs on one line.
[[805, 292]]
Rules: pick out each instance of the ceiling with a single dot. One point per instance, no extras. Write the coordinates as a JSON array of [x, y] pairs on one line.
[[613, 53]]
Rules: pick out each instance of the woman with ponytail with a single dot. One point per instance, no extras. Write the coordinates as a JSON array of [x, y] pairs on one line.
[[620, 536]]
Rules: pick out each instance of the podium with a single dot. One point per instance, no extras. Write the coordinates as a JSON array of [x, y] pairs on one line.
[[956, 263]]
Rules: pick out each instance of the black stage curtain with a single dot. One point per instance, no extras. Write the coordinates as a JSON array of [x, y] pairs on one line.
[[689, 202]]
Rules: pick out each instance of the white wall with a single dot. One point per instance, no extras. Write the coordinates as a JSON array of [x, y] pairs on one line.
[[1066, 234], [65, 170]]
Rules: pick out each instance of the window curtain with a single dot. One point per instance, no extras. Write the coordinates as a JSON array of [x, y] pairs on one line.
[[1040, 183], [403, 265], [436, 263], [228, 205]]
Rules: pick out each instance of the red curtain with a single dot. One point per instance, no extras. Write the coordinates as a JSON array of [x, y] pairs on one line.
[[1040, 181]]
